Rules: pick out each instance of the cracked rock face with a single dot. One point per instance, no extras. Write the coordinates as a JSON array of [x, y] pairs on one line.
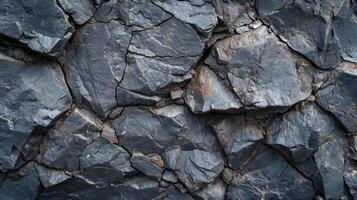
[[178, 99]]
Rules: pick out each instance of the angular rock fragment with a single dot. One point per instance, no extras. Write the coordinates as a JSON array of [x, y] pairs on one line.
[[81, 11], [140, 13], [169, 176], [331, 28], [103, 162], [206, 93], [150, 130], [200, 14], [62, 150], [308, 131], [28, 101], [216, 190], [21, 185], [261, 75], [96, 63], [126, 98], [270, 176], [136, 188], [196, 168], [353, 148], [170, 156], [161, 58], [50, 177], [143, 164], [239, 138], [338, 95], [39, 24]]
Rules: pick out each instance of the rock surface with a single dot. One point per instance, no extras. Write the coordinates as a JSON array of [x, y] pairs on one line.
[[178, 99]]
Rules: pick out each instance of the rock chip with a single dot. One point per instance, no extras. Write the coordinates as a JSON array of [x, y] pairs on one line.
[[350, 175], [96, 63], [28, 101], [338, 95], [50, 177], [253, 61], [39, 24], [216, 190]]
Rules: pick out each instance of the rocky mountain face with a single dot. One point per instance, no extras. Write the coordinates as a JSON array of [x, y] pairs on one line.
[[178, 99]]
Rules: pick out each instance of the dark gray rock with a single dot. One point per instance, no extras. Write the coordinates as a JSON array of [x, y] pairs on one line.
[[22, 185], [126, 98], [353, 147], [141, 13], [201, 15], [50, 177], [197, 167], [150, 130], [62, 150], [308, 131], [96, 63], [136, 188], [253, 61], [350, 175], [81, 121], [39, 24], [161, 58], [206, 93], [269, 176], [80, 11], [169, 176], [216, 190], [143, 164], [338, 95], [28, 101], [331, 25], [239, 138], [170, 156], [104, 163]]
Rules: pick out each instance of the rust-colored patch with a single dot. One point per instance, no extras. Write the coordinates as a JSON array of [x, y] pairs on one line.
[[201, 82]]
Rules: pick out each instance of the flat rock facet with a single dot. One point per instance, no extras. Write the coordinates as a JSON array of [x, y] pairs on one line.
[[253, 61]]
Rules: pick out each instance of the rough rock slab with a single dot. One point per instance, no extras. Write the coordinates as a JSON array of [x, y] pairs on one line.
[[80, 11], [39, 24], [28, 101], [338, 95], [96, 63], [253, 61]]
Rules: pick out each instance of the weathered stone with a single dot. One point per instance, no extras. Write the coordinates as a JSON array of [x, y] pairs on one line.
[[173, 193], [216, 190], [206, 93], [81, 121], [136, 188], [96, 63], [108, 133], [50, 177], [62, 150], [196, 168], [80, 11], [141, 13], [308, 131], [143, 164], [239, 138], [40, 24], [170, 156], [269, 176], [161, 58], [331, 25], [227, 175], [253, 61], [201, 15], [23, 185], [150, 130], [350, 175], [353, 147], [103, 162], [28, 101], [338, 95]]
